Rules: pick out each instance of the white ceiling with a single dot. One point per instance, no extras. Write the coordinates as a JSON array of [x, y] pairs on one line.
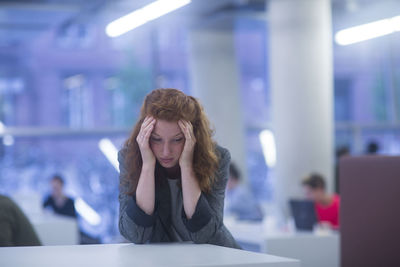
[[22, 20]]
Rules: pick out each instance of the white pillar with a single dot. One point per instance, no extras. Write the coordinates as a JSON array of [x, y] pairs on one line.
[[300, 53], [215, 82]]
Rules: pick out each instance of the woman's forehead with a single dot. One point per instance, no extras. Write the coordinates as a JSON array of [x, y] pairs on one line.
[[166, 128]]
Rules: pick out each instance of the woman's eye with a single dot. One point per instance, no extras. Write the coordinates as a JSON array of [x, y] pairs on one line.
[[178, 139], [155, 139]]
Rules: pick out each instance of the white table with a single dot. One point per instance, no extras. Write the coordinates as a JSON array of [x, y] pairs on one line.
[[55, 230], [312, 249], [121, 255]]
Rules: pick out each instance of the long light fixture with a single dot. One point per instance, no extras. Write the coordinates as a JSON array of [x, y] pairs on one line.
[[143, 15], [368, 31], [87, 212], [110, 151], [268, 146], [2, 127], [8, 140]]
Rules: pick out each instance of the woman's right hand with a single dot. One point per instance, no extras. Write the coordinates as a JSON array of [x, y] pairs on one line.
[[143, 140]]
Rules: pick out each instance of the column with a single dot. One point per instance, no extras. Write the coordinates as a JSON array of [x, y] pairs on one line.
[[215, 82], [300, 61]]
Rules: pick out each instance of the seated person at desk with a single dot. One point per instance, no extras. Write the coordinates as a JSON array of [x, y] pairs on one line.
[[173, 175], [64, 205], [15, 228], [239, 202], [58, 201], [326, 205]]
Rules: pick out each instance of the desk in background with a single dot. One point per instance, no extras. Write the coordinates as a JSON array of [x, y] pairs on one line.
[[55, 230], [312, 249], [128, 255]]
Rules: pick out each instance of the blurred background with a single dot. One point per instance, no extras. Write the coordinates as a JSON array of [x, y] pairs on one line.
[[70, 92]]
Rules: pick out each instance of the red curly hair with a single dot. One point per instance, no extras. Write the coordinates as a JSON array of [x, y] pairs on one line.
[[173, 105]]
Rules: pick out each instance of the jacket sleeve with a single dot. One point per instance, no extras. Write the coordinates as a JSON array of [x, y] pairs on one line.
[[134, 224], [206, 224]]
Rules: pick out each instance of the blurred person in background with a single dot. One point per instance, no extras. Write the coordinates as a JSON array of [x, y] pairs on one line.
[[173, 175], [372, 148], [327, 205], [15, 228], [61, 204], [342, 151], [239, 201], [57, 200]]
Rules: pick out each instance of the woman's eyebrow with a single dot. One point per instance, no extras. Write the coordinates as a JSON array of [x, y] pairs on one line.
[[160, 136]]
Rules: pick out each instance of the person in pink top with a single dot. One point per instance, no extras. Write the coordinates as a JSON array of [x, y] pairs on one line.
[[327, 205]]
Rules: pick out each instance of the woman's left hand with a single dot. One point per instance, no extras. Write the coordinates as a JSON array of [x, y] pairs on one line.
[[186, 158]]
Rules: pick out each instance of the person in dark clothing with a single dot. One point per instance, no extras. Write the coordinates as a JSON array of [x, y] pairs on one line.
[[58, 201], [15, 228], [340, 152], [372, 148], [64, 205]]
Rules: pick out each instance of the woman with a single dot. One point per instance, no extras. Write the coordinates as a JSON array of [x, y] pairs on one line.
[[327, 206], [172, 175]]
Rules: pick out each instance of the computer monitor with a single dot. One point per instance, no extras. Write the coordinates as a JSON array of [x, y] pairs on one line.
[[304, 215]]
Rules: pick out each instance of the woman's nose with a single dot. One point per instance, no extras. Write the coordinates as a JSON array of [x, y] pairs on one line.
[[166, 149]]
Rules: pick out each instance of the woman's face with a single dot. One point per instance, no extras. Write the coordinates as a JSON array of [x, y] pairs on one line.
[[166, 142], [314, 194]]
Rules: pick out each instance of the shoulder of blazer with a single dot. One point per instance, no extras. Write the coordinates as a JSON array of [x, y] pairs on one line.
[[223, 155], [224, 159]]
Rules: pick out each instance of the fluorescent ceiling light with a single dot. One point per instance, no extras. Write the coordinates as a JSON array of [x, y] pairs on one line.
[[87, 212], [74, 81], [8, 140], [110, 151], [268, 147], [143, 15], [2, 127], [368, 31]]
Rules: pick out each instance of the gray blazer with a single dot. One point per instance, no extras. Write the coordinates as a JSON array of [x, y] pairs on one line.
[[205, 226]]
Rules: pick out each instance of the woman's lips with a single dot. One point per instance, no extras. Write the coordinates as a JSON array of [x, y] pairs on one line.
[[166, 161]]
